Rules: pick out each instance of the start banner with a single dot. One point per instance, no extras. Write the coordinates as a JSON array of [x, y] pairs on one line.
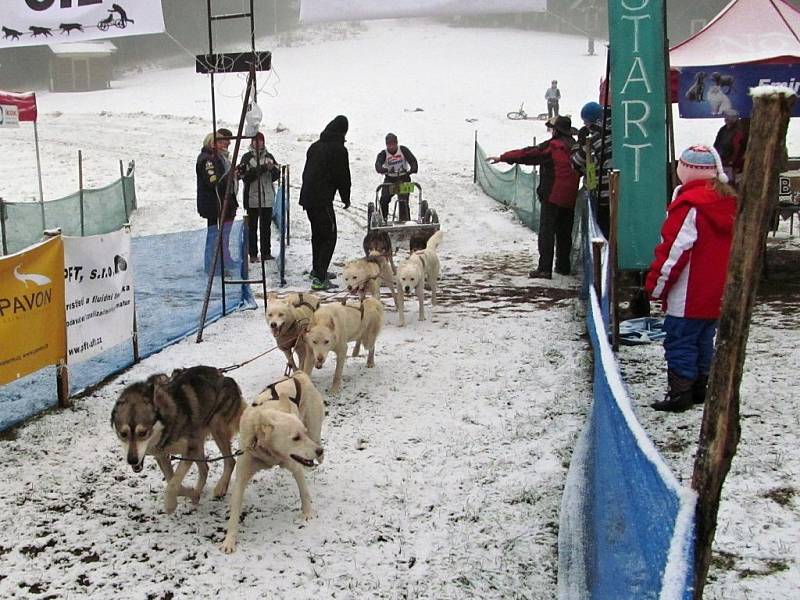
[[38, 22], [315, 11], [99, 293], [32, 333]]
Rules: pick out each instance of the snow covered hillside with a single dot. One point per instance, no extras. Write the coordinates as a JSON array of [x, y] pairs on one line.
[[445, 463]]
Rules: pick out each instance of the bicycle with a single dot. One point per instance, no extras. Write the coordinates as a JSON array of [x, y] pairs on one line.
[[520, 115]]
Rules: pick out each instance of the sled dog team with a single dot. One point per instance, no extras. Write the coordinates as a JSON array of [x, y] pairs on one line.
[[167, 415]]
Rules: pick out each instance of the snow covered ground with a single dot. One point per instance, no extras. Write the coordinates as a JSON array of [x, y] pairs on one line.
[[446, 462]]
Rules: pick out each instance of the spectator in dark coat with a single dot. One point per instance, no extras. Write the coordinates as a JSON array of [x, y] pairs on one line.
[[212, 169], [396, 163], [730, 144], [557, 191], [327, 171], [258, 170]]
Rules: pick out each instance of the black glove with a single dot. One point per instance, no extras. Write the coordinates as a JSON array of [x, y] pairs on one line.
[[346, 204]]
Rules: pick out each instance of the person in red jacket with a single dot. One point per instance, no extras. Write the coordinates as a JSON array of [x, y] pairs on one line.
[[557, 191], [688, 273]]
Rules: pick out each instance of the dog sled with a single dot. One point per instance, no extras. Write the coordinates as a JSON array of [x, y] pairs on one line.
[[399, 226]]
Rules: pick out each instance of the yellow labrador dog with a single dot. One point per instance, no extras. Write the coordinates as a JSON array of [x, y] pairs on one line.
[[287, 318], [335, 325], [366, 275], [282, 428], [420, 269]]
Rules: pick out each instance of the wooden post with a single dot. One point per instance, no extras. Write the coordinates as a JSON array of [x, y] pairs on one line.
[[719, 434], [597, 253], [80, 187], [475, 158], [613, 199], [287, 204], [3, 227]]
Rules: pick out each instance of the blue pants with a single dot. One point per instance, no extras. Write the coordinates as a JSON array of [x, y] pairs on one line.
[[689, 345]]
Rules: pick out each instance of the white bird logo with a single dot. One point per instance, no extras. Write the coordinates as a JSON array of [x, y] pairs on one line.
[[32, 277]]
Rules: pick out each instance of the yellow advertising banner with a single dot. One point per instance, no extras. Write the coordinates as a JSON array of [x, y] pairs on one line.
[[33, 331]]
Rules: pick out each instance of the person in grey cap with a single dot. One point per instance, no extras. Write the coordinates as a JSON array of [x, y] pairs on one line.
[[396, 163], [730, 144]]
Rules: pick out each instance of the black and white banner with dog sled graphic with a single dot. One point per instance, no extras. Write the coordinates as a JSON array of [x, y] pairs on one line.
[[99, 293], [315, 11], [36, 22]]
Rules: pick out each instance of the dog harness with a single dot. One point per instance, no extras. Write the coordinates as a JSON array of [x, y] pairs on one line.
[[304, 303], [360, 307], [297, 389]]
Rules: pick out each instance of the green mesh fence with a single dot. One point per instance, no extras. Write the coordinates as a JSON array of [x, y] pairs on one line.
[[105, 209], [516, 189]]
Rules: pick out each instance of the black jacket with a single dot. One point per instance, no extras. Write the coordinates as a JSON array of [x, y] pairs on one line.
[[327, 167], [211, 183]]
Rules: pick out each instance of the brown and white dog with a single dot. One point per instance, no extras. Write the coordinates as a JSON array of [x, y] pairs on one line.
[[288, 318], [175, 414], [282, 428]]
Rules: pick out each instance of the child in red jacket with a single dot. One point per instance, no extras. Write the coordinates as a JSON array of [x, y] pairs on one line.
[[688, 273]]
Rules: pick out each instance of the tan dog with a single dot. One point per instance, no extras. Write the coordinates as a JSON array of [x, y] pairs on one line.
[[287, 319], [335, 325], [282, 428], [366, 275], [420, 269]]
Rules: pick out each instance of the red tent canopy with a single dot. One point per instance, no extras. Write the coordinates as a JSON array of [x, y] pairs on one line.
[[745, 31]]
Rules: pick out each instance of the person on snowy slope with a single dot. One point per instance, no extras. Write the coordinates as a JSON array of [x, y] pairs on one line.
[[397, 164], [688, 273], [557, 191], [327, 171], [258, 170]]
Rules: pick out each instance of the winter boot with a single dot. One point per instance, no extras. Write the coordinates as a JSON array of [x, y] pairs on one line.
[[699, 389], [679, 394]]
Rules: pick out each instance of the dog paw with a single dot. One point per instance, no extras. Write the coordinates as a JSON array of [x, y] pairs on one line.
[[229, 545], [307, 515], [220, 490], [195, 495], [370, 364], [170, 504]]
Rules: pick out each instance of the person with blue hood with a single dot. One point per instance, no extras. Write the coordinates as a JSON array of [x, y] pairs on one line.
[[327, 171]]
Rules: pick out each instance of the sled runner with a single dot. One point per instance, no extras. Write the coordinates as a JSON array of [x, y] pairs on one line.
[[399, 226]]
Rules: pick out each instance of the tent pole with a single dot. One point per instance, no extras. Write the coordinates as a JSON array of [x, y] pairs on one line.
[[39, 173], [671, 175]]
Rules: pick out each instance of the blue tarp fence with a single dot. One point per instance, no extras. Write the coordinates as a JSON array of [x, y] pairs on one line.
[[169, 286], [627, 526]]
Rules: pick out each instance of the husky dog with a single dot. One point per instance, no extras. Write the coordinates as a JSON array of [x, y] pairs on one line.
[[288, 318], [420, 269], [174, 415], [335, 325], [282, 428], [45, 31], [9, 33], [378, 243], [69, 27], [367, 275]]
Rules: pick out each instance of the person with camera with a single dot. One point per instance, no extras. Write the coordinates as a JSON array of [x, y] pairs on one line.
[[258, 170], [396, 163]]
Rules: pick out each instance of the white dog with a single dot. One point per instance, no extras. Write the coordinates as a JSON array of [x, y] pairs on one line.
[[335, 325], [420, 269], [282, 428], [718, 100], [287, 318], [366, 275]]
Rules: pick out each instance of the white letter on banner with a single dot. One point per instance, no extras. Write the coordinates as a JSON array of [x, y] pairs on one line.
[[636, 148], [635, 8], [637, 61], [635, 28], [638, 122]]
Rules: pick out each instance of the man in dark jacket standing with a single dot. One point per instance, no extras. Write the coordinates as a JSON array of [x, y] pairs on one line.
[[557, 191], [327, 171], [397, 163]]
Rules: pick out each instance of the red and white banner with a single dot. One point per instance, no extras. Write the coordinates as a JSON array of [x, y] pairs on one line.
[[38, 22], [25, 103], [315, 11]]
